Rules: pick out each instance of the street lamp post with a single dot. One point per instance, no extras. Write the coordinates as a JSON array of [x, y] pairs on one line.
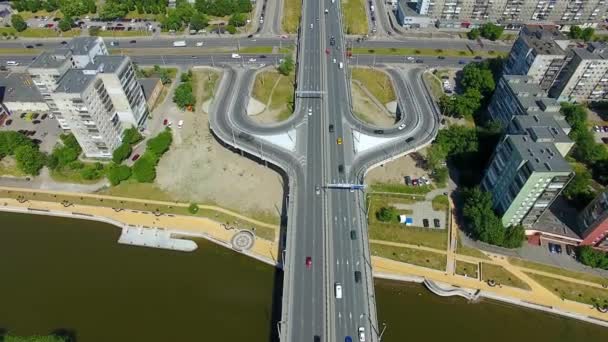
[[382, 332]]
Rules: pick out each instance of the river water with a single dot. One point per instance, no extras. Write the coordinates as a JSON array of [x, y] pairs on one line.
[[71, 276]]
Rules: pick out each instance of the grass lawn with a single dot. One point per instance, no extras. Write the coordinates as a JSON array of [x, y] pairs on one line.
[[19, 51], [400, 188], [467, 269], [42, 13], [410, 256], [132, 188], [66, 175], [256, 49], [434, 85], [572, 291], [354, 17], [426, 52], [264, 84], [501, 276], [144, 191], [559, 271], [440, 203], [134, 33], [210, 79], [397, 232], [283, 97], [149, 72], [377, 82], [292, 10]]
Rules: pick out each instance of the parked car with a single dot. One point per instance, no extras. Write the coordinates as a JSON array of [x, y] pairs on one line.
[[408, 180], [436, 223], [35, 116], [8, 122], [135, 157], [597, 128], [35, 122], [43, 116], [425, 223], [165, 122]]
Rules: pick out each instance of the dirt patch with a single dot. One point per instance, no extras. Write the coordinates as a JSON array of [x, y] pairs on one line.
[[396, 170], [197, 168], [367, 110]]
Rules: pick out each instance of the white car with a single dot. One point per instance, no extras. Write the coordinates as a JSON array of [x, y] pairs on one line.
[[180, 124], [410, 58], [338, 288], [402, 126], [236, 55], [252, 60], [361, 334], [199, 44], [309, 111], [334, 60]]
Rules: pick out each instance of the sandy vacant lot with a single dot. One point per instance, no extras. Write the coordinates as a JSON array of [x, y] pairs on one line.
[[395, 171], [197, 168]]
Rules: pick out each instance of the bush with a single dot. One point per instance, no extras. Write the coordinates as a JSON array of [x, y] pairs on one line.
[[144, 169], [591, 257], [473, 34], [186, 77], [238, 20], [131, 136], [29, 159], [387, 214], [122, 152], [92, 171], [75, 165], [231, 29], [193, 208], [286, 67], [18, 23], [10, 140], [118, 173], [161, 143], [491, 31], [183, 96], [65, 24]]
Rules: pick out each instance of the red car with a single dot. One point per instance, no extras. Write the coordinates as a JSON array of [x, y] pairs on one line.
[[135, 157], [327, 51], [308, 262], [165, 122]]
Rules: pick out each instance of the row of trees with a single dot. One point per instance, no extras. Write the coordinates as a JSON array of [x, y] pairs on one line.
[[144, 169], [183, 96], [196, 17], [585, 34], [483, 222], [487, 30], [64, 159], [69, 8]]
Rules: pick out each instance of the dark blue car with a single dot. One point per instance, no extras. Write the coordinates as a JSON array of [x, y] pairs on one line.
[[348, 339]]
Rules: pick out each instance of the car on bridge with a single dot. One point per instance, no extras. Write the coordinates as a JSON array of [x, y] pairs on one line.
[[361, 334], [348, 339], [308, 262], [339, 141]]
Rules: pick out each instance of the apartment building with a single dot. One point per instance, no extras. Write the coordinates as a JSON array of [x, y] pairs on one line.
[[48, 67], [514, 13], [100, 101], [517, 95], [538, 52], [542, 128], [594, 223], [525, 175], [585, 78]]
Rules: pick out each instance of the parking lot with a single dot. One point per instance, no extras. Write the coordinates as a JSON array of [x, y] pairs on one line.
[[39, 127]]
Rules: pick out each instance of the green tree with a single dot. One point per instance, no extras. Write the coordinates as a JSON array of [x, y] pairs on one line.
[[238, 19], [131, 136], [92, 171], [160, 144], [113, 9], [198, 21], [491, 31], [186, 77], [231, 29], [18, 23], [183, 96], [460, 106], [172, 21], [478, 76], [144, 169], [121, 153], [575, 32], [440, 175], [579, 192], [29, 159], [286, 67], [193, 208], [10, 140], [480, 217], [473, 34], [387, 214], [118, 173], [514, 236], [65, 24], [591, 257], [587, 34]]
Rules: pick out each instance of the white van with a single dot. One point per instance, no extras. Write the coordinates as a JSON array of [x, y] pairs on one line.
[[11, 63], [341, 65], [236, 55], [338, 290]]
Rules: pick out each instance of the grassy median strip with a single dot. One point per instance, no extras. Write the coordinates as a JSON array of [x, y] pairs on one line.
[[354, 17], [411, 256], [377, 82], [501, 276], [397, 232], [572, 291], [400, 188], [134, 33], [434, 85], [292, 10], [559, 271], [167, 208], [425, 52], [467, 269]]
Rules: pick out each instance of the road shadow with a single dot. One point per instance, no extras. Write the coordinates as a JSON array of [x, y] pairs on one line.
[[277, 290]]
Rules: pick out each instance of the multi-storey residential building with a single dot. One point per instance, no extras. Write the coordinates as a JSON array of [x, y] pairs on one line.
[[48, 68], [19, 94], [593, 222], [542, 128], [524, 176], [513, 13], [585, 78], [517, 95], [538, 52], [100, 101]]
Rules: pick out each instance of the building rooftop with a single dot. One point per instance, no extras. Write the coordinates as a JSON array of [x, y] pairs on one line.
[[106, 64], [592, 51], [560, 220], [49, 60], [18, 87], [148, 85], [531, 97], [546, 40], [74, 81], [541, 156], [82, 45], [541, 128]]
